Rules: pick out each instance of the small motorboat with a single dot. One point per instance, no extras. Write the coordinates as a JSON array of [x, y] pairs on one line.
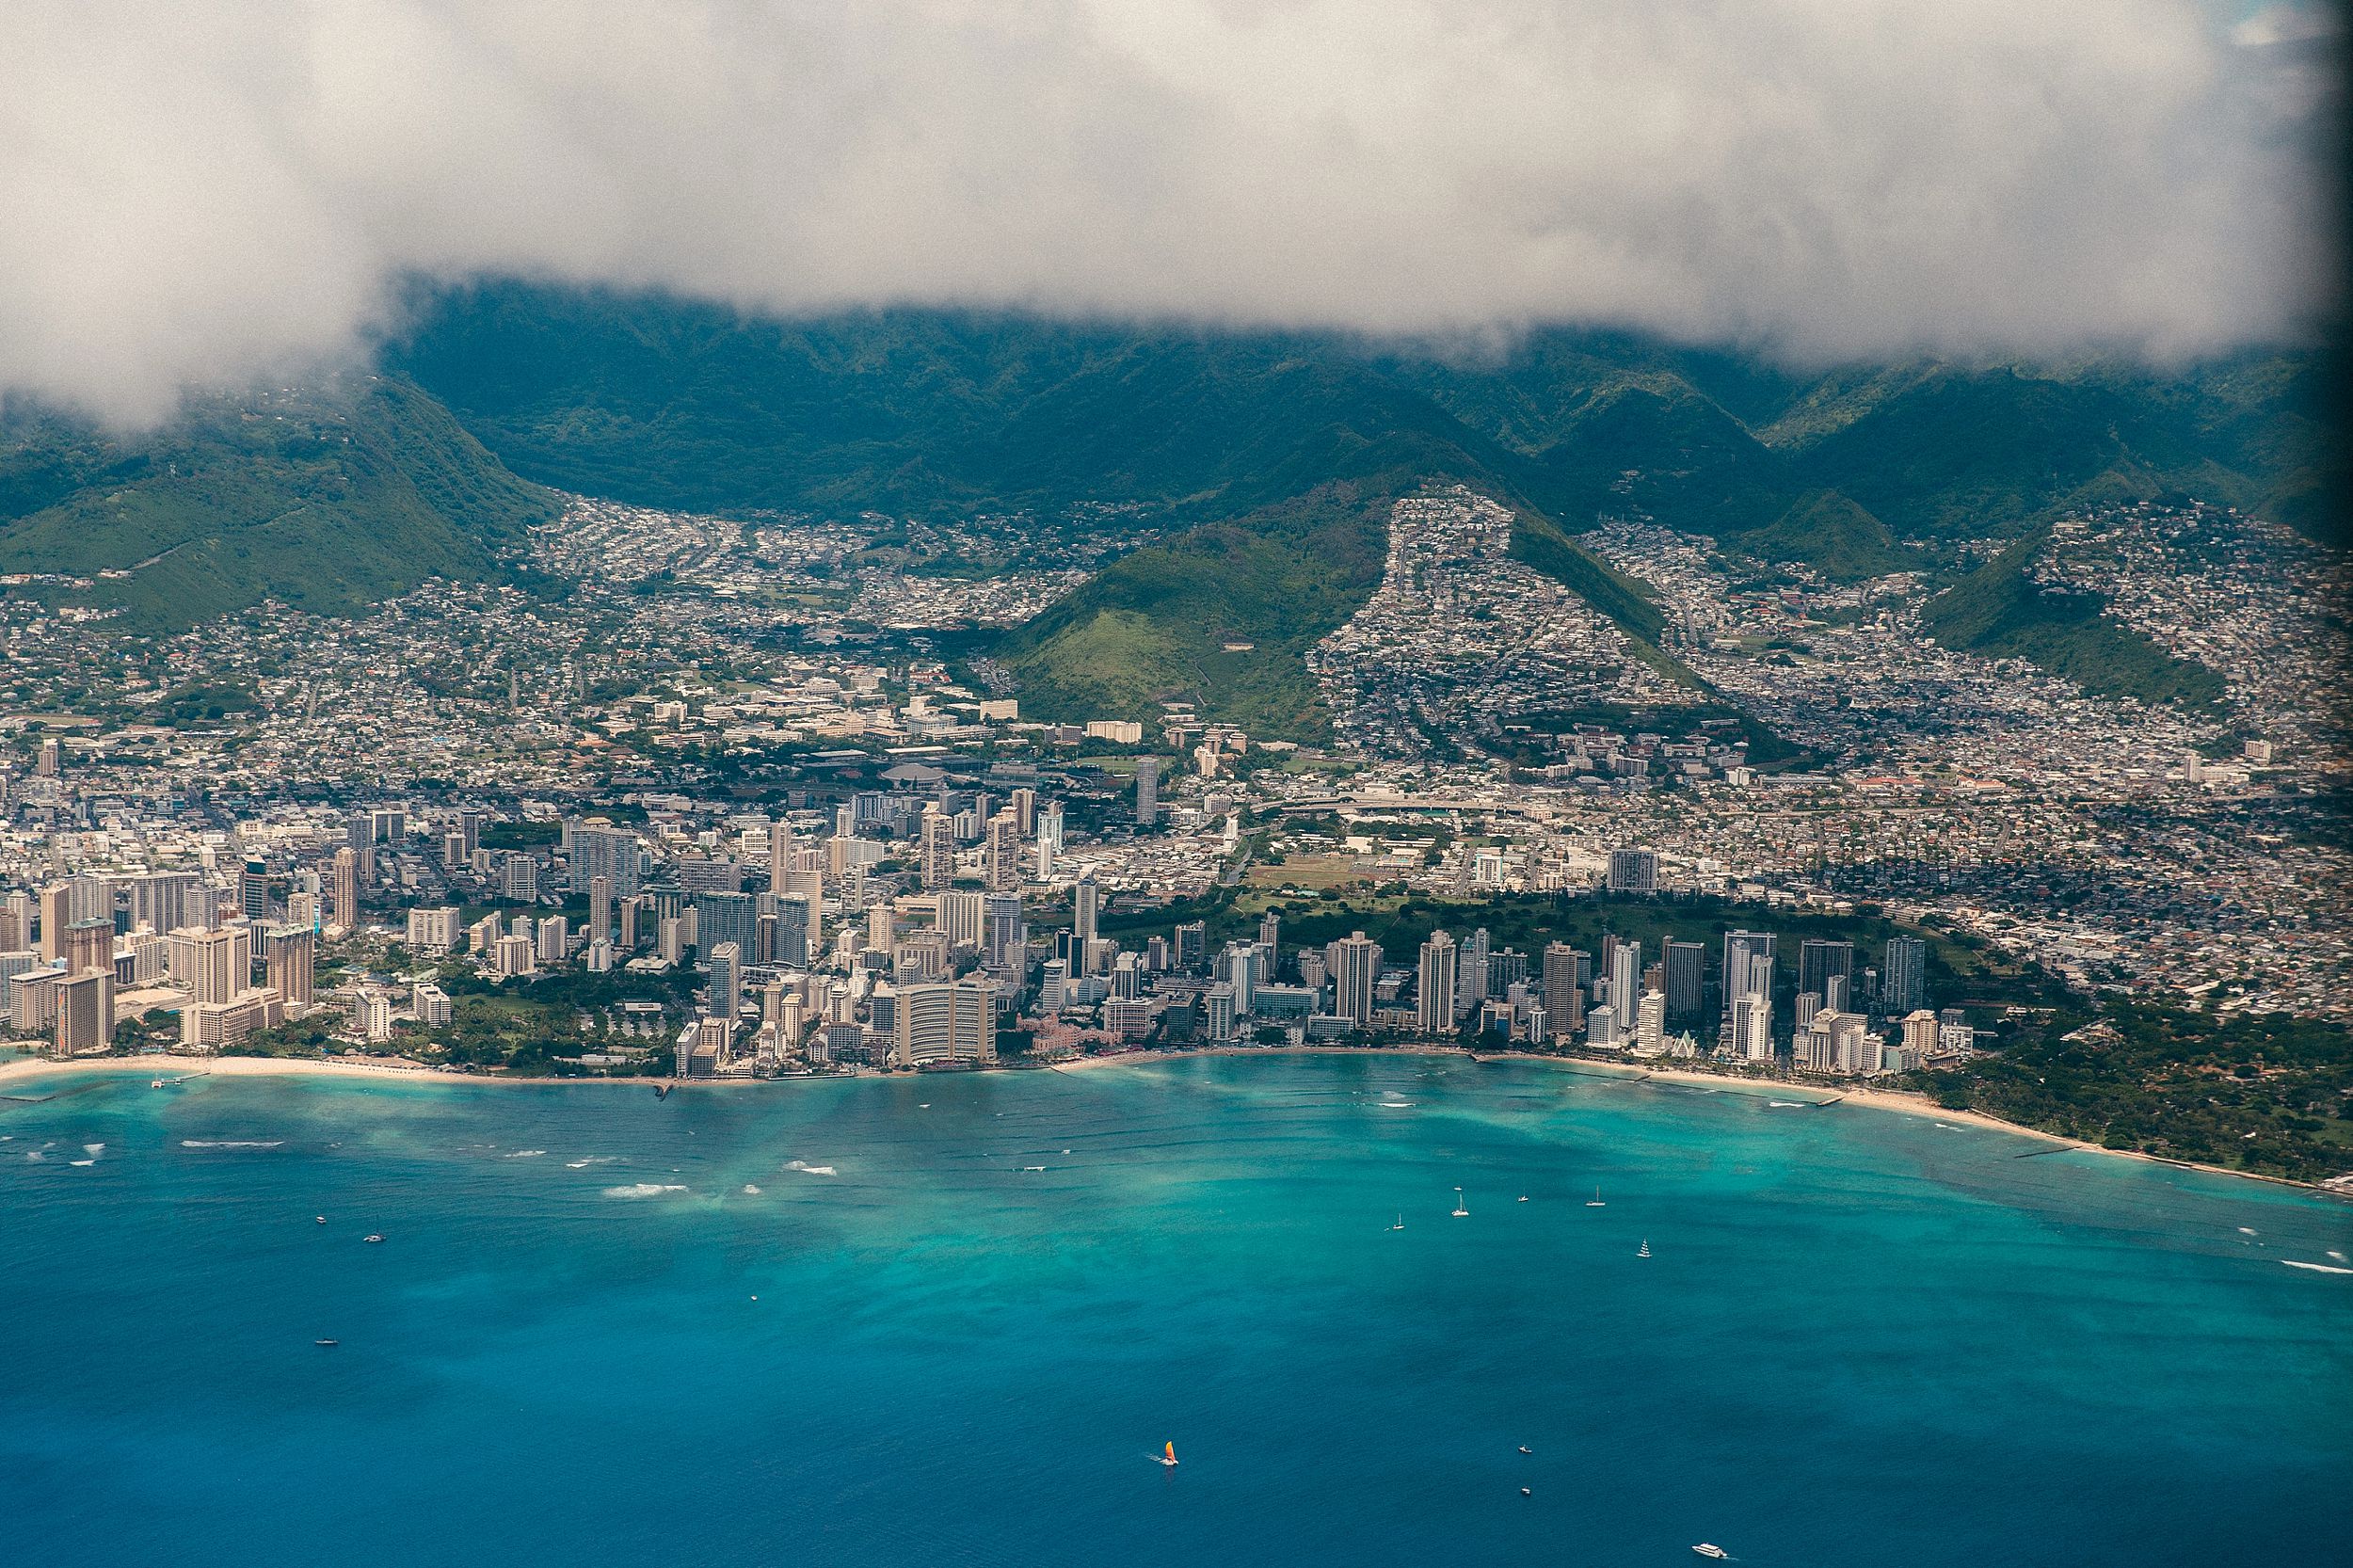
[[1525, 1492], [326, 1342], [372, 1239], [320, 1218], [1703, 1549], [157, 1085], [1526, 1449], [1168, 1456], [1523, 1197]]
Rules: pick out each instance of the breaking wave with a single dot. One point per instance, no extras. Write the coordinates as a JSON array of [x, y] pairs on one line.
[[643, 1189], [232, 1143], [808, 1169]]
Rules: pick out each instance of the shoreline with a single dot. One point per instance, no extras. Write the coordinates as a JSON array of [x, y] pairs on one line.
[[1900, 1102]]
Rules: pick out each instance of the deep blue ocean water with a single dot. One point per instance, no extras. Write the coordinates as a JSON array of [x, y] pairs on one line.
[[1862, 1338]]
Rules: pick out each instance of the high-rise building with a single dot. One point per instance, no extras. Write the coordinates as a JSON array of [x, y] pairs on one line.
[[85, 1011], [938, 847], [1086, 909], [609, 853], [216, 966], [253, 889], [56, 913], [1626, 980], [555, 939], [1356, 961], [600, 909], [726, 981], [288, 956], [1904, 978], [1742, 948], [779, 855], [721, 917], [1686, 964], [1005, 936], [1024, 802], [89, 946], [1147, 790], [1192, 949], [166, 901], [1239, 967], [433, 930], [946, 1022], [1650, 1023], [1001, 852], [1437, 981], [1470, 976], [346, 904], [1819, 960], [1633, 871], [1220, 1018], [1564, 1004]]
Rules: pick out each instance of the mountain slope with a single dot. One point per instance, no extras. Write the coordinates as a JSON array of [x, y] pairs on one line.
[[666, 402], [1155, 626], [327, 498], [1999, 611]]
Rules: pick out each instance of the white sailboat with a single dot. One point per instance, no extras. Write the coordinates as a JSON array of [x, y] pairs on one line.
[[1460, 1212], [1645, 1252], [1594, 1202], [1400, 1223]]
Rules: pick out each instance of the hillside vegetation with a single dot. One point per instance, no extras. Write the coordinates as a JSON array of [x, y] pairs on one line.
[[1999, 611], [328, 500]]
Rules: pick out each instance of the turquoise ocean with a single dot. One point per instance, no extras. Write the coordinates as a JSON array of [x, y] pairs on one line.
[[951, 1320]]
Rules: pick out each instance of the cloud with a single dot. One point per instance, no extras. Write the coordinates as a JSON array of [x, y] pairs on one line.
[[207, 194]]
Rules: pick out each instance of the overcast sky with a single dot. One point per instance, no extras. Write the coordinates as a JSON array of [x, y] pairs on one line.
[[209, 193]]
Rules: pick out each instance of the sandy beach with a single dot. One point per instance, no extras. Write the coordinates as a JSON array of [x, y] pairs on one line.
[[29, 1069]]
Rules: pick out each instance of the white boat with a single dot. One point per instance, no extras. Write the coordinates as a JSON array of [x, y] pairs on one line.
[[1460, 1212], [1645, 1252], [1401, 1223], [1594, 1202], [157, 1085], [1703, 1549]]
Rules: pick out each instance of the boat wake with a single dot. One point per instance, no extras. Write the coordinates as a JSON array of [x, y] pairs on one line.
[[232, 1143], [526, 1154], [643, 1189], [592, 1159]]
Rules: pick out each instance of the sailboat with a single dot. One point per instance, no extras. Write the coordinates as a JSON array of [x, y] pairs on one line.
[[1460, 1212], [1168, 1456], [1400, 1223], [1595, 1201], [1645, 1252]]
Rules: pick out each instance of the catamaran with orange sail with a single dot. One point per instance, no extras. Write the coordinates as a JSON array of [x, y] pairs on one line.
[[1168, 1456]]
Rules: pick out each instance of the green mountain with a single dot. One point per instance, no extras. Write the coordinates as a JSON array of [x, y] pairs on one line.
[[327, 498], [1828, 532], [1170, 622], [1999, 611], [649, 399], [1244, 447]]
